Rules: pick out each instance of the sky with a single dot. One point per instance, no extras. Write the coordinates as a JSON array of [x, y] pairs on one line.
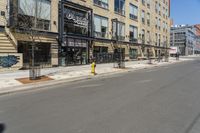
[[185, 12]]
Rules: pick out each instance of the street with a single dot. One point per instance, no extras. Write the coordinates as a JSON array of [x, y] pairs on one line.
[[158, 100]]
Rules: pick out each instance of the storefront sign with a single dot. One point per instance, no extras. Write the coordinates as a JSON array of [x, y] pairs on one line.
[[77, 17], [76, 43]]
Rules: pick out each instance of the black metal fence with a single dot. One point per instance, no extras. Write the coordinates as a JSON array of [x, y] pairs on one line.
[[104, 57]]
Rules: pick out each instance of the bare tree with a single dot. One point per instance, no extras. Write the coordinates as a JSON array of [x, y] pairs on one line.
[[32, 17]]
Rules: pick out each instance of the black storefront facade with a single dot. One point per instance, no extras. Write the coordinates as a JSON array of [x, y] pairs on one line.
[[75, 33]]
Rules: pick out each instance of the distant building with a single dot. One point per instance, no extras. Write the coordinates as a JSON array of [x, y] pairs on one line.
[[197, 26], [183, 37], [186, 38]]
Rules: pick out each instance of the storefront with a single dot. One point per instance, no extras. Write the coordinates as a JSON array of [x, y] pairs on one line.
[[75, 33], [75, 52], [42, 53]]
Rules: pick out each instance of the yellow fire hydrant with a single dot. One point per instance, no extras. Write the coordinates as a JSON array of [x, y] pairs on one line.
[[93, 66]]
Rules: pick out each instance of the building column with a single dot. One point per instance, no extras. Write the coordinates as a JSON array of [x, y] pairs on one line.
[[54, 54]]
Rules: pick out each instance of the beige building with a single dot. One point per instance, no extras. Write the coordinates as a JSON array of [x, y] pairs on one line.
[[143, 26], [3, 11], [21, 26]]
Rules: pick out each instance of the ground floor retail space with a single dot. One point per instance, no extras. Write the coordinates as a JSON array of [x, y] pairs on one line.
[[44, 47], [80, 52]]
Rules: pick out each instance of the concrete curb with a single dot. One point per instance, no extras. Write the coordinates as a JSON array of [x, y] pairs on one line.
[[40, 85]]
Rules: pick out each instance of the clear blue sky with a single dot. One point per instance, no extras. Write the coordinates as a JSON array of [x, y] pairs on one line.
[[185, 11]]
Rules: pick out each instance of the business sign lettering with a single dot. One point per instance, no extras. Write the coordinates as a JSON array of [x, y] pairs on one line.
[[77, 17]]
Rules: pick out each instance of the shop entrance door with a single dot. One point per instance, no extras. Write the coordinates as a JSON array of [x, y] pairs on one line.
[[76, 56], [77, 52]]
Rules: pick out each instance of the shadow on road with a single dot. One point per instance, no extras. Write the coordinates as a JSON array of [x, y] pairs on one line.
[[2, 127]]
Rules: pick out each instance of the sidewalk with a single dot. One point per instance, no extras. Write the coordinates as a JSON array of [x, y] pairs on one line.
[[9, 83]]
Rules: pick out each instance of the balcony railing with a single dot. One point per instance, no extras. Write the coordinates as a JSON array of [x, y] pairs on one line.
[[120, 38], [101, 34], [134, 17], [133, 40]]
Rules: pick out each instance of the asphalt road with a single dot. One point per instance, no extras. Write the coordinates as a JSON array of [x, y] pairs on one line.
[[159, 100]]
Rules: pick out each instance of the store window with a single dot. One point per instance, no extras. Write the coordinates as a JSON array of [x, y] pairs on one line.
[[75, 52], [42, 53], [76, 22], [133, 33], [100, 27]]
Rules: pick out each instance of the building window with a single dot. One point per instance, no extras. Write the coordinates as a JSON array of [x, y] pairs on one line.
[[3, 13], [159, 9], [143, 16], [159, 40], [101, 3], [76, 22], [133, 12], [143, 2], [34, 13], [118, 30], [159, 24], [163, 25], [120, 7], [143, 36], [148, 3], [100, 26], [148, 19], [148, 37], [156, 38], [156, 22], [156, 7], [167, 13], [133, 33]]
